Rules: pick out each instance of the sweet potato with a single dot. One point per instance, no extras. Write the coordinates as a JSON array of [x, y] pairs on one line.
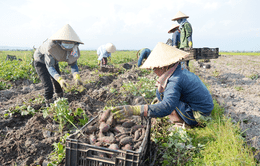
[[113, 146], [107, 139], [111, 120], [105, 115], [142, 135], [110, 134], [127, 147], [128, 124], [119, 129], [137, 134], [121, 137], [121, 121], [136, 127], [104, 127], [98, 144], [90, 129], [126, 140], [137, 145], [92, 139]]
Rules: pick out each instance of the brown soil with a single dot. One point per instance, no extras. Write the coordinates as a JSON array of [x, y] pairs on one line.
[[27, 140], [235, 83]]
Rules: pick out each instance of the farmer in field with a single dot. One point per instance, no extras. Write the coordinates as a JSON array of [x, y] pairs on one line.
[[104, 52], [142, 55], [186, 32], [175, 35], [62, 46], [182, 95], [176, 38]]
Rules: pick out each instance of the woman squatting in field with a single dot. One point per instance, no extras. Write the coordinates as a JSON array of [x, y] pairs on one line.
[[180, 92], [62, 46]]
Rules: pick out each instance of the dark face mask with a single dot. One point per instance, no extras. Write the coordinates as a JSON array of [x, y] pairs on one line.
[[179, 21]]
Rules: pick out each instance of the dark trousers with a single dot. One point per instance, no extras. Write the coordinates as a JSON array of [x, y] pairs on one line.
[[47, 80]]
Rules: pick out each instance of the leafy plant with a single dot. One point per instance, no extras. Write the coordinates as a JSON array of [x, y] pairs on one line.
[[59, 151], [174, 147], [63, 115], [253, 76], [4, 85], [239, 88], [144, 86], [216, 73], [23, 110]]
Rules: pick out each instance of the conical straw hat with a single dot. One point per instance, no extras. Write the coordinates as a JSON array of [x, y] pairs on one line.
[[164, 55], [66, 33], [179, 15], [173, 27], [110, 47]]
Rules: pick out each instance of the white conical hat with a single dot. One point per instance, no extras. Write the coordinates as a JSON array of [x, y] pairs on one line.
[[164, 55], [110, 47], [173, 27], [66, 33], [179, 15]]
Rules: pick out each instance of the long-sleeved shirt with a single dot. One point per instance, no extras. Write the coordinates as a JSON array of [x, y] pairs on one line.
[[176, 39], [183, 86], [43, 55], [102, 52], [143, 54], [186, 34]]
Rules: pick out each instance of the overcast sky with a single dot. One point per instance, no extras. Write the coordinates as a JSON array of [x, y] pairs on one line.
[[131, 24]]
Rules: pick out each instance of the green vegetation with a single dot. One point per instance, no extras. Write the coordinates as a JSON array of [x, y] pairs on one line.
[[219, 143], [89, 58], [63, 115], [240, 53], [238, 88], [144, 87], [16, 69]]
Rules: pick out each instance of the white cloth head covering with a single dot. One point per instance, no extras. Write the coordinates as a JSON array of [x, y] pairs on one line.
[[164, 55], [66, 33], [179, 15], [110, 47]]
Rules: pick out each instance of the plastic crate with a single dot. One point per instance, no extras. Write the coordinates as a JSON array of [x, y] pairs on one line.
[[202, 53], [83, 154]]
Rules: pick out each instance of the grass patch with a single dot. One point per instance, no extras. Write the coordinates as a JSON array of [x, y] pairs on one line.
[[240, 53]]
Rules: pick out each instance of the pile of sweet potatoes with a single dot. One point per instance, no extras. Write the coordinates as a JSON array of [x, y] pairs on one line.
[[113, 134]]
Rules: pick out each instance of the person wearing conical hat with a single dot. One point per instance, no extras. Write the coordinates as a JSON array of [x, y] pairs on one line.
[[175, 35], [176, 38], [186, 31], [104, 52], [61, 47], [142, 55], [182, 95]]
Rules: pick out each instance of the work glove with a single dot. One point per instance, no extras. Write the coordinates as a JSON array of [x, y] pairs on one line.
[[77, 79], [190, 44], [155, 101], [64, 85], [127, 111]]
